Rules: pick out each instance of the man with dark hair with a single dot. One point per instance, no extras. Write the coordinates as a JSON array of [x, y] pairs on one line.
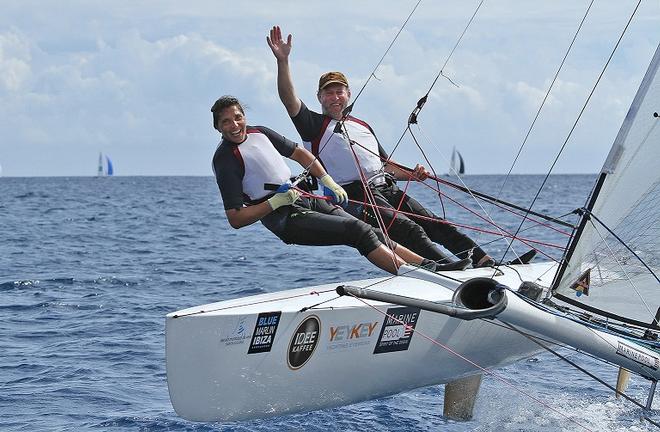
[[354, 157], [249, 163]]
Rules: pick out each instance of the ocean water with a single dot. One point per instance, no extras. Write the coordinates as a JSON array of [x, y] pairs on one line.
[[90, 266]]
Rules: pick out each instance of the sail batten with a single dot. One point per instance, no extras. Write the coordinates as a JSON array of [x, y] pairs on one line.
[[618, 242]]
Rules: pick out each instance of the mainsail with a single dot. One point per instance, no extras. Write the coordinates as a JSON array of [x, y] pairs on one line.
[[613, 264], [105, 167], [457, 165]]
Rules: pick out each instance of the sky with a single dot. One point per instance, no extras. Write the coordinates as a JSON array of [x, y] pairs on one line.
[[136, 80]]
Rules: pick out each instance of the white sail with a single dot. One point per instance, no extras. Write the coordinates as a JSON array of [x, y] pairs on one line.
[[99, 168], [627, 201], [105, 167]]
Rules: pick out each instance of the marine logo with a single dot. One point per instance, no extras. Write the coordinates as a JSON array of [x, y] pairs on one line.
[[397, 330], [239, 333], [264, 332], [304, 341]]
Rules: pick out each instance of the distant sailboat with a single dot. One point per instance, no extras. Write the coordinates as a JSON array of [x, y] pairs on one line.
[[457, 165], [105, 166]]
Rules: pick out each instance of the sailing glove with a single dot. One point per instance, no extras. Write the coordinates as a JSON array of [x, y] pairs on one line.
[[338, 194], [283, 198]]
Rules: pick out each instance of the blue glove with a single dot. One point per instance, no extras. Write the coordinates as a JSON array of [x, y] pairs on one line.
[[283, 187], [333, 198], [333, 190]]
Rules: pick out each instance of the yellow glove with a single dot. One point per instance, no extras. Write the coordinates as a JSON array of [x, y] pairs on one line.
[[339, 194], [283, 198]]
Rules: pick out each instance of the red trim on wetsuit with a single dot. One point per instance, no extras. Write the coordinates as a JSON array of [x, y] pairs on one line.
[[316, 142]]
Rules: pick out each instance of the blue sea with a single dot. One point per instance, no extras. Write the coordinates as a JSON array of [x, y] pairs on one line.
[[89, 267]]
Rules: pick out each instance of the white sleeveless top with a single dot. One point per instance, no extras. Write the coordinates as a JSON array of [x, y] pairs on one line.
[[263, 164], [338, 157]]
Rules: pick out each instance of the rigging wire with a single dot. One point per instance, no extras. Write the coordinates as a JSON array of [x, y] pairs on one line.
[[479, 195], [582, 110], [545, 98], [412, 119], [462, 357], [349, 108], [489, 218], [372, 74], [621, 266], [591, 215]]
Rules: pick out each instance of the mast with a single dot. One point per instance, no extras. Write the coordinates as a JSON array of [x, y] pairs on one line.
[[99, 171]]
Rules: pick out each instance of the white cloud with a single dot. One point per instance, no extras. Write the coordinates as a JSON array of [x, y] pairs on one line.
[[14, 61], [137, 79]]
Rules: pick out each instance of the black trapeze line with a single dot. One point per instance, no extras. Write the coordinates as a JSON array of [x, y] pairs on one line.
[[605, 313], [545, 98], [372, 74], [492, 198], [623, 243], [349, 108], [577, 233], [579, 116], [412, 119]]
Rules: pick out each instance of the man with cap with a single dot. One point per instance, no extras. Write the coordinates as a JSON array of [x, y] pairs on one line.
[[353, 156]]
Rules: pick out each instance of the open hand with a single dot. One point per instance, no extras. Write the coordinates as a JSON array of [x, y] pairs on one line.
[[280, 48]]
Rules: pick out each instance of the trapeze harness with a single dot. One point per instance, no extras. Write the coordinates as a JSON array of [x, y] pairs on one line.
[[305, 222], [338, 152]]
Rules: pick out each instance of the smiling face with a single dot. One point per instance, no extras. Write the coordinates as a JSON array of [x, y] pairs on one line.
[[334, 99], [232, 124]]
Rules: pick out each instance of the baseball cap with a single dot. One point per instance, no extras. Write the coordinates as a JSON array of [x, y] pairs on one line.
[[332, 78]]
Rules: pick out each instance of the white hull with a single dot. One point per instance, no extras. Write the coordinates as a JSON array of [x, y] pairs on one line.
[[212, 377]]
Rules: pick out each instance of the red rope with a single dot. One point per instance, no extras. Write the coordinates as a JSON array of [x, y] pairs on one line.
[[445, 182], [439, 220]]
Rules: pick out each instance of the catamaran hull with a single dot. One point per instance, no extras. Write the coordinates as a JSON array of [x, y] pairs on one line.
[[578, 334], [264, 356]]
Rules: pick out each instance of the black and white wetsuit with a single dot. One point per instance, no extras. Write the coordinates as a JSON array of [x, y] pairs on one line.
[[337, 156], [242, 171]]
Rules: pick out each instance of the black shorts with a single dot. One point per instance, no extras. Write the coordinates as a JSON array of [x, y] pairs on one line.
[[315, 222]]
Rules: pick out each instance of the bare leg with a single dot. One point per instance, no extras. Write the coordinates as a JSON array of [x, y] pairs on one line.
[[383, 258], [407, 255]]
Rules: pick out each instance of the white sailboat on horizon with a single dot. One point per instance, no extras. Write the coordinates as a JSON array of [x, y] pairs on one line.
[[104, 167]]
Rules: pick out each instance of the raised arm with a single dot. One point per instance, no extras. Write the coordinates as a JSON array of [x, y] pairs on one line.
[[285, 89]]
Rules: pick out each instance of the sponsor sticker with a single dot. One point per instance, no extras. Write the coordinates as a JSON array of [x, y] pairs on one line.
[[638, 356], [352, 335], [581, 285], [238, 334], [264, 332], [397, 329], [303, 342]]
